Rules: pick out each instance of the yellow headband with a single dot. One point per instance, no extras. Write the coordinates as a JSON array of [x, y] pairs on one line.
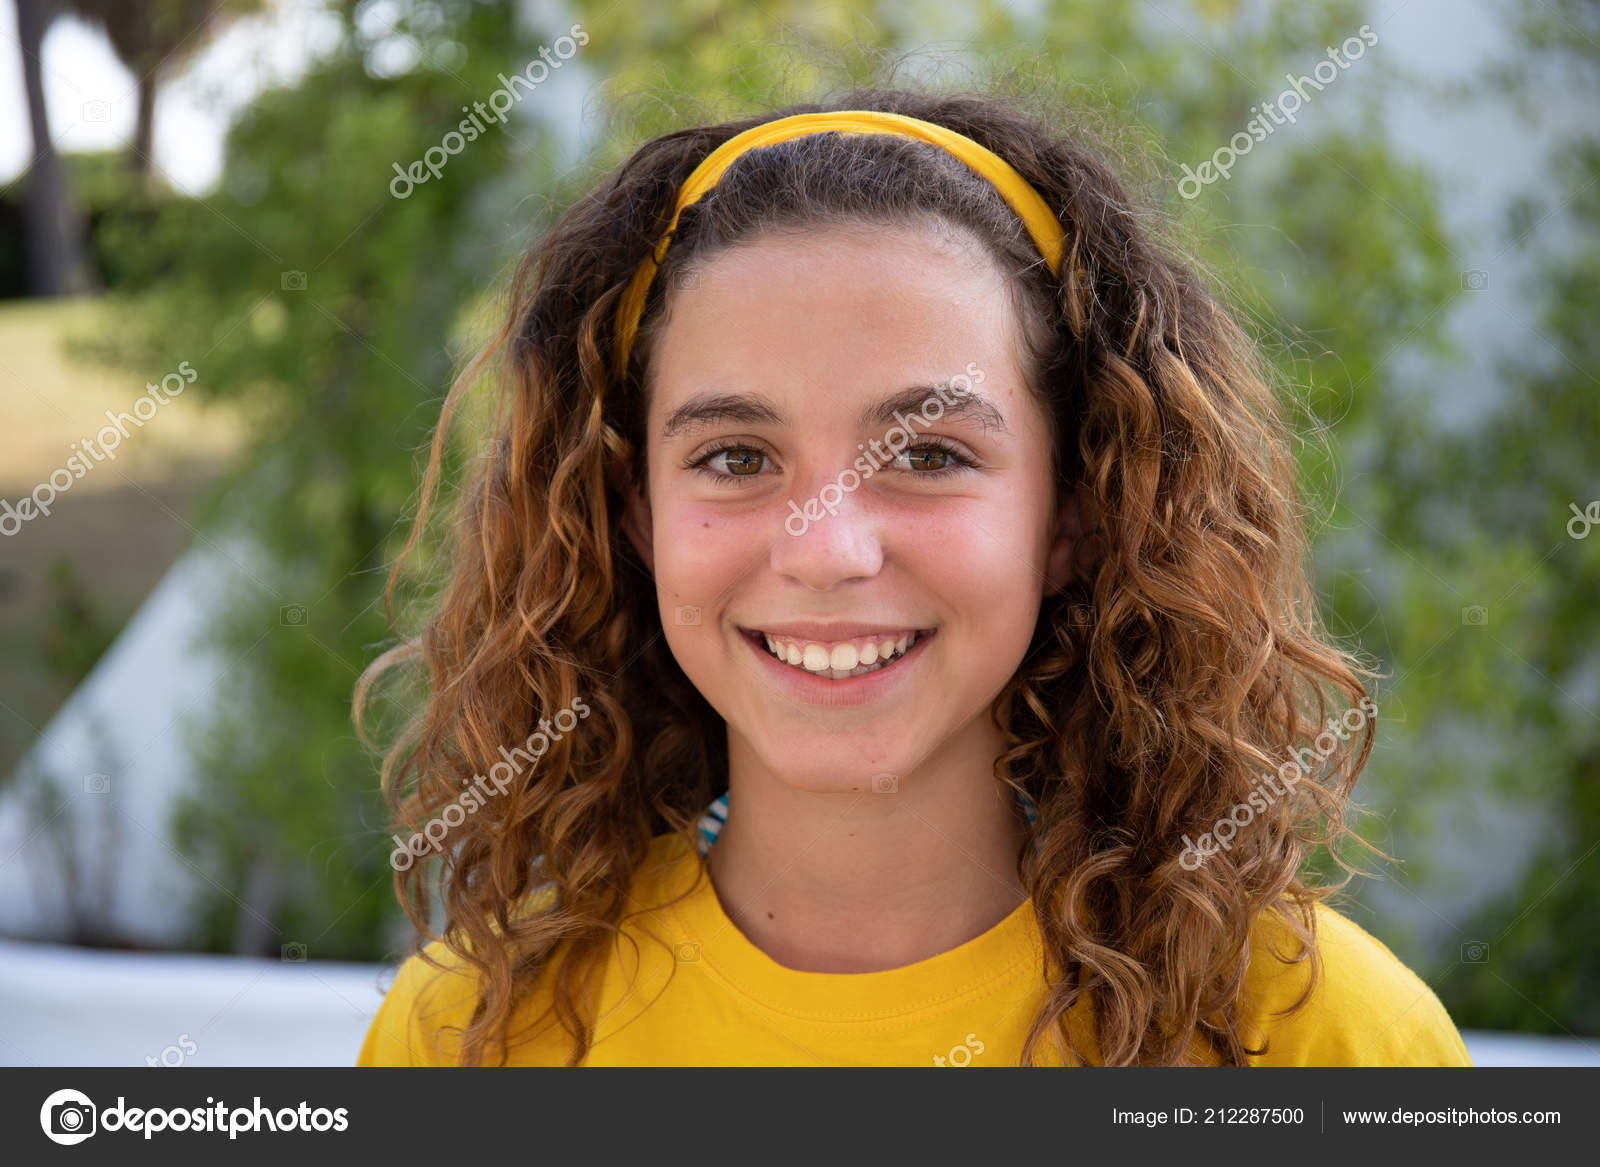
[[1034, 212]]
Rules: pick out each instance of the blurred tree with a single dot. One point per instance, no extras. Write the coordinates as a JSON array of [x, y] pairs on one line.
[[73, 874], [307, 290], [153, 39], [74, 634], [56, 262], [1531, 961]]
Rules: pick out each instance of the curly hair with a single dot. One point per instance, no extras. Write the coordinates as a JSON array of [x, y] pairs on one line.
[[1184, 662]]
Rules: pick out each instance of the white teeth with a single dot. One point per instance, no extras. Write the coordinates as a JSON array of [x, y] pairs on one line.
[[844, 660]]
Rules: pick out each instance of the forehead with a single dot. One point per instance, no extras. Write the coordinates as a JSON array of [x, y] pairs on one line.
[[829, 318]]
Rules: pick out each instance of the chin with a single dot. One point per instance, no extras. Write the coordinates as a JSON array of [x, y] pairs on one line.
[[846, 773]]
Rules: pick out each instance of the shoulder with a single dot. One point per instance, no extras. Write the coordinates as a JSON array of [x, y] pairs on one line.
[[423, 1002], [1366, 1007], [431, 1000]]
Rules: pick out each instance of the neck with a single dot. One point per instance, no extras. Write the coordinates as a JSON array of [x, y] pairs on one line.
[[861, 881]]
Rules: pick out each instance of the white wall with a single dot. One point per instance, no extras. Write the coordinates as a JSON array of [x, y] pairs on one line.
[[63, 1006], [115, 753]]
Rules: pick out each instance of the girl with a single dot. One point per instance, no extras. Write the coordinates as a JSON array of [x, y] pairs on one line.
[[879, 636]]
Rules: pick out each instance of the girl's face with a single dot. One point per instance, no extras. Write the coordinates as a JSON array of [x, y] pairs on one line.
[[787, 375]]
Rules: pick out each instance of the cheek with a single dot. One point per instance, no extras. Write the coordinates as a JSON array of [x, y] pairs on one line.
[[983, 560], [702, 551]]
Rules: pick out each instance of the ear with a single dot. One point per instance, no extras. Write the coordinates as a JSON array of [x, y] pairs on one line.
[[1074, 546], [636, 522]]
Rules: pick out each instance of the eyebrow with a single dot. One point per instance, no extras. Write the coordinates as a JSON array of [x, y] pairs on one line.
[[709, 409]]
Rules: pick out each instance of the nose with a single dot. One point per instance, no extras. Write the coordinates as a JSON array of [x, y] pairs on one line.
[[829, 536]]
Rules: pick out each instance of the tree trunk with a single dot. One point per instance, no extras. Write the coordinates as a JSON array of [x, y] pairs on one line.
[[56, 263], [144, 148]]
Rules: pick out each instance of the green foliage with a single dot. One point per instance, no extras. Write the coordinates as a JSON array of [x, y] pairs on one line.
[[305, 291], [1486, 599], [1535, 466], [118, 210], [75, 634]]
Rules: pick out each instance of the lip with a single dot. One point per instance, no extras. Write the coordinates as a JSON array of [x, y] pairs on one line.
[[832, 634], [812, 690]]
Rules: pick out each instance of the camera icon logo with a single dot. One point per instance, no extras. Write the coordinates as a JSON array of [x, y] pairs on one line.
[[1474, 281], [1474, 952], [1081, 615], [686, 952], [294, 281], [97, 783], [1475, 615], [686, 278], [885, 784], [68, 1117], [295, 952], [96, 110], [686, 614], [292, 616]]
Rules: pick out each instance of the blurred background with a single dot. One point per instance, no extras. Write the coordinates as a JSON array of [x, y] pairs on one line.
[[228, 317]]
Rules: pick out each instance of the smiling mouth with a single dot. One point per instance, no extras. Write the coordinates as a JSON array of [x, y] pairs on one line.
[[845, 661]]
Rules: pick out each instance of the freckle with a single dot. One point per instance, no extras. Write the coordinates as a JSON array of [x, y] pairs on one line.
[[769, 915]]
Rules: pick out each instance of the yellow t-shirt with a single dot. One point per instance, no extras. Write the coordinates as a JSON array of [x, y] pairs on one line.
[[692, 990]]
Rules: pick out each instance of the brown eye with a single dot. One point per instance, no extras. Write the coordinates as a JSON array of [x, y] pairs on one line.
[[948, 460], [742, 463], [937, 454]]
